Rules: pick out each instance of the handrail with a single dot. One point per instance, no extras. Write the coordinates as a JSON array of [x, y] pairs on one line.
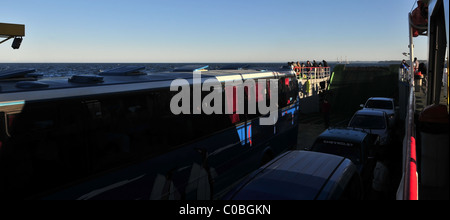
[[312, 72], [408, 187], [410, 167], [311, 77]]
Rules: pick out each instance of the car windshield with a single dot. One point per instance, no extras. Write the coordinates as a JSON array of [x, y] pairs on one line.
[[368, 122], [348, 150], [379, 104]]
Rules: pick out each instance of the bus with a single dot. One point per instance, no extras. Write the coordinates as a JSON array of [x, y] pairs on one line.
[[113, 136]]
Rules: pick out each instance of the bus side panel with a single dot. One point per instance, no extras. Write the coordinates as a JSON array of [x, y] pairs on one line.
[[196, 171]]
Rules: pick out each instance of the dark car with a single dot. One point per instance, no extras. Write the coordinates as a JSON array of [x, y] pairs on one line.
[[301, 175], [356, 145]]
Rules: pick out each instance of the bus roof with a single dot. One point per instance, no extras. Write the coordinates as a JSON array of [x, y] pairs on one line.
[[31, 89]]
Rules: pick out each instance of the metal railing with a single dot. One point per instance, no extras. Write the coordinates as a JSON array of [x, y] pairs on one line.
[[404, 75], [408, 187], [312, 72], [310, 78], [409, 183]]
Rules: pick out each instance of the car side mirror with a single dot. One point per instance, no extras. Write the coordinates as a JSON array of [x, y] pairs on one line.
[[362, 105]]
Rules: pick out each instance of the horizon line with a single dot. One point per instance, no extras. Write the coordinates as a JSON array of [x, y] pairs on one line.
[[195, 62]]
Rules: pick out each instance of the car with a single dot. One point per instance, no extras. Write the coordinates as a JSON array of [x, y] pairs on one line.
[[354, 144], [374, 122], [301, 175], [383, 104]]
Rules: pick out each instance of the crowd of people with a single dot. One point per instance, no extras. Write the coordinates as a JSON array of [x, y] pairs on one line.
[[307, 67], [419, 68]]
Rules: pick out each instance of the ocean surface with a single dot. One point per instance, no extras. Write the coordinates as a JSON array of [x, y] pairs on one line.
[[69, 69]]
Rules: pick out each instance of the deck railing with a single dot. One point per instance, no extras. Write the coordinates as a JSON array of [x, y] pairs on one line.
[[312, 72], [310, 79], [408, 187]]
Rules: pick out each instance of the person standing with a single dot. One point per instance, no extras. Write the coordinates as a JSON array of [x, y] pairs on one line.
[[416, 66], [308, 68], [381, 182], [326, 109], [404, 65]]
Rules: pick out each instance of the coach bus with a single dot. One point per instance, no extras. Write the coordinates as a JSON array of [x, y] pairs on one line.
[[113, 136]]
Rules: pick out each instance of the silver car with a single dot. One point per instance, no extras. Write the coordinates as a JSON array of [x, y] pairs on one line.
[[373, 122], [382, 104]]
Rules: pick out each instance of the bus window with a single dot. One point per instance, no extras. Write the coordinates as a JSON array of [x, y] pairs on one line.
[[45, 148], [257, 94], [288, 88], [6, 122], [3, 135], [232, 96], [94, 108]]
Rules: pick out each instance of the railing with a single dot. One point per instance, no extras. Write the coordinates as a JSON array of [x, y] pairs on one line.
[[408, 188], [410, 181], [312, 72], [309, 79], [404, 75]]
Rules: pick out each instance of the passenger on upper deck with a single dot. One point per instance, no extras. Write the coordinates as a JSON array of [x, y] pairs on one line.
[[291, 65], [297, 68], [416, 65], [308, 64], [404, 65]]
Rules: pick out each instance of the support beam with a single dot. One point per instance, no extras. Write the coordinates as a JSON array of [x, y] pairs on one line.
[[12, 30]]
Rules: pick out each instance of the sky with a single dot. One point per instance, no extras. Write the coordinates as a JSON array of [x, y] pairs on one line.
[[174, 31]]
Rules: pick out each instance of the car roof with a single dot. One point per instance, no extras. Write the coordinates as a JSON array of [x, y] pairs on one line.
[[381, 98], [295, 175], [343, 134], [370, 112]]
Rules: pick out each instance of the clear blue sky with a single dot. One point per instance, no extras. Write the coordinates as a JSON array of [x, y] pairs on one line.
[[208, 30]]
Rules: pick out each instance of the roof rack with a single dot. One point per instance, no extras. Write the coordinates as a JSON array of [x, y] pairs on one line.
[[86, 79], [18, 75], [7, 74], [191, 68], [31, 85], [124, 71], [235, 67]]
